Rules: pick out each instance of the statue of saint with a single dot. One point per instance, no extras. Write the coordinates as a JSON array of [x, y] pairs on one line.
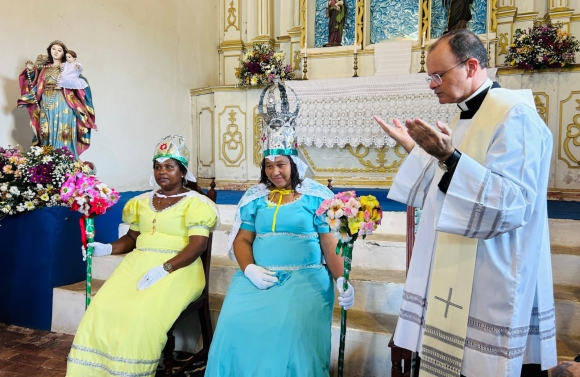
[[336, 14], [59, 116], [459, 14]]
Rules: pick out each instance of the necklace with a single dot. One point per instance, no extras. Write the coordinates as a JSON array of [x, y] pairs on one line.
[[153, 228]]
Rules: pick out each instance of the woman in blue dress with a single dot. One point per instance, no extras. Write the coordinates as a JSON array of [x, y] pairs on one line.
[[277, 314]]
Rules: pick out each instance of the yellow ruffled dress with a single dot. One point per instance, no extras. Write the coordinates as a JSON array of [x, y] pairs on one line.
[[123, 332]]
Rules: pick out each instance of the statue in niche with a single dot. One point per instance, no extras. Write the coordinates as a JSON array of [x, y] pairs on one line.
[[336, 14], [459, 14], [59, 116]]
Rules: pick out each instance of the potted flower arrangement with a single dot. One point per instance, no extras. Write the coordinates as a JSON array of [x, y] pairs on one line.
[[261, 65], [542, 46], [33, 179], [349, 217]]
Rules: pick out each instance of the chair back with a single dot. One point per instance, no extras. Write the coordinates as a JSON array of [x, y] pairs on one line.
[[206, 255]]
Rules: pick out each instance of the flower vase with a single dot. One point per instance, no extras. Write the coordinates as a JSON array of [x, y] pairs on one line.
[[346, 250], [89, 235]]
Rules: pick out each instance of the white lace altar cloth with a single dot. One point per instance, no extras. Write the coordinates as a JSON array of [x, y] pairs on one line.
[[340, 111]]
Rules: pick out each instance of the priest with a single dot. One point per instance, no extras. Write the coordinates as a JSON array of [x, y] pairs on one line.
[[478, 300]]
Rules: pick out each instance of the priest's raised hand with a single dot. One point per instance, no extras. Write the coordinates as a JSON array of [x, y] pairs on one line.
[[436, 142]]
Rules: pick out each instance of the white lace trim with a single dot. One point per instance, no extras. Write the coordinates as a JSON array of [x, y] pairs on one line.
[[307, 187], [293, 267], [340, 111]]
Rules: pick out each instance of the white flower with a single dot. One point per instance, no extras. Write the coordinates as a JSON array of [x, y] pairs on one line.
[[21, 207], [56, 197], [14, 190], [46, 159], [49, 187], [44, 197], [36, 150], [4, 187], [6, 209], [39, 186], [29, 205], [344, 237], [8, 195]]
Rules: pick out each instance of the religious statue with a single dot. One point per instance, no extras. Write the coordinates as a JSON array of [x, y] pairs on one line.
[[60, 116], [336, 14], [459, 14]]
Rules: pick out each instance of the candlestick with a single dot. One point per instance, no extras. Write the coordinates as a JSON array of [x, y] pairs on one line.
[[422, 60], [305, 68], [355, 65], [423, 39]]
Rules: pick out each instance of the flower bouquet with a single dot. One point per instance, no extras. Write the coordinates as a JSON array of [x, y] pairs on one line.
[[87, 195], [349, 217], [261, 66], [32, 180], [542, 46]]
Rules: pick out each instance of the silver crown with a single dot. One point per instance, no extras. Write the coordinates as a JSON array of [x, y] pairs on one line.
[[279, 123]]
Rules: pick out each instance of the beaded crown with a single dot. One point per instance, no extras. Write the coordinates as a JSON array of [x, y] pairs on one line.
[[172, 146], [279, 123]]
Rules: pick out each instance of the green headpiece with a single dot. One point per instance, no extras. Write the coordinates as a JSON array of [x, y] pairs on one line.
[[172, 146]]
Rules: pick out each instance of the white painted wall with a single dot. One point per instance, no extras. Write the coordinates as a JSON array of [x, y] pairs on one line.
[[141, 58]]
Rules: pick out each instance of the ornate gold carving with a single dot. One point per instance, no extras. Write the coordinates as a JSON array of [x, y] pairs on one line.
[[296, 60], [360, 153], [232, 17], [359, 23], [231, 139], [425, 19], [542, 107], [494, 8], [303, 21], [204, 140], [503, 43], [572, 136], [257, 133]]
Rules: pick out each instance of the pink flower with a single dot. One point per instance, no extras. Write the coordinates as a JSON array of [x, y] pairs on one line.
[[323, 207], [345, 195], [336, 209], [366, 228]]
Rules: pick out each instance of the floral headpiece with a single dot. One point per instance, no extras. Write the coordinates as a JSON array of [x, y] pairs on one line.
[[168, 149], [173, 146]]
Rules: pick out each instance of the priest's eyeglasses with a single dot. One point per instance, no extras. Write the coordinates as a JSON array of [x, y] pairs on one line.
[[437, 78]]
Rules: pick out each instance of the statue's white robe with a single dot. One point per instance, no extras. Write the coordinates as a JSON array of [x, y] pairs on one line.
[[512, 315]]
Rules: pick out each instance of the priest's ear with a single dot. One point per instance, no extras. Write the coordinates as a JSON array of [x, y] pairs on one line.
[[472, 66]]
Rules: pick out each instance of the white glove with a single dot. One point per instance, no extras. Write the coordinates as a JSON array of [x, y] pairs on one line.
[[345, 298], [260, 277], [99, 249], [151, 277]]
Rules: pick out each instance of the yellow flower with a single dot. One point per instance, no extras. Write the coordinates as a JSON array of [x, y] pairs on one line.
[[368, 202], [254, 80], [354, 224]]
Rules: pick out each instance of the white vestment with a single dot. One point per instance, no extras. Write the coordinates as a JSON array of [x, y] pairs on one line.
[[502, 203]]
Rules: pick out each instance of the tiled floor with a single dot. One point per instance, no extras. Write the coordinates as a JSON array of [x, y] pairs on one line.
[[34, 353], [31, 353]]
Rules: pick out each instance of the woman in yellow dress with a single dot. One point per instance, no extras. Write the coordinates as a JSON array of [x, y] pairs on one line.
[[123, 332]]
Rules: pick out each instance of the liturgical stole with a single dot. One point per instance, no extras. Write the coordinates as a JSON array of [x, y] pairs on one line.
[[454, 262]]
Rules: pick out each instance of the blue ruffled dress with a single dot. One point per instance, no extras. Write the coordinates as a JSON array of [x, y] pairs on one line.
[[283, 330]]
